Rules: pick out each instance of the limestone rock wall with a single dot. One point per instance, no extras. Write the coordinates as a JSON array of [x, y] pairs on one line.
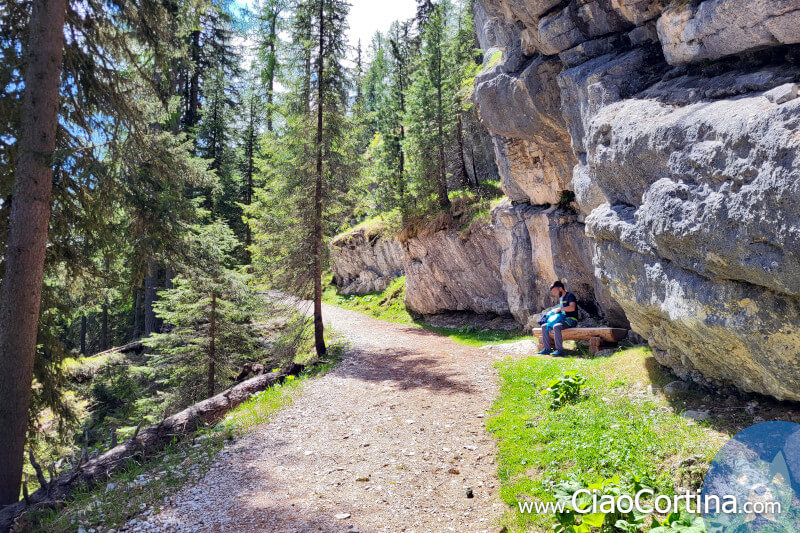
[[364, 263], [677, 126], [504, 266]]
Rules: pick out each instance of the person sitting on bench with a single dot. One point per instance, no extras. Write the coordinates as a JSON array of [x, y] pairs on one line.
[[562, 317]]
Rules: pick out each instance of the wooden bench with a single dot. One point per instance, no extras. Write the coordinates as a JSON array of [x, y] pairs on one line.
[[595, 336]]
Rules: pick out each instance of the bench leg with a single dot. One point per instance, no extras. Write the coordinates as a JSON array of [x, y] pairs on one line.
[[594, 345], [541, 344]]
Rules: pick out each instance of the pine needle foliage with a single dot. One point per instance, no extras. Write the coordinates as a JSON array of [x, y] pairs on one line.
[[210, 315]]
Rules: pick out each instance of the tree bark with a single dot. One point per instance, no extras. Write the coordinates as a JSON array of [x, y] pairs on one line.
[[250, 149], [27, 236], [402, 177], [212, 348], [193, 115], [137, 313], [150, 298], [104, 342], [460, 140], [83, 334], [272, 64], [441, 182], [168, 275], [319, 328]]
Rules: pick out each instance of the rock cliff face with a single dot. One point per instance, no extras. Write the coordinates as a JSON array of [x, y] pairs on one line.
[[676, 125], [363, 263], [505, 266]]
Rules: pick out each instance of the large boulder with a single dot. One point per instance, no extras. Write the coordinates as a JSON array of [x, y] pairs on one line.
[[540, 245], [454, 270], [532, 146], [713, 331], [505, 266], [717, 185], [691, 31]]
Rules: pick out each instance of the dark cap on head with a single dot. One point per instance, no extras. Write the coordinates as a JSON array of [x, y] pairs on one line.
[[557, 284]]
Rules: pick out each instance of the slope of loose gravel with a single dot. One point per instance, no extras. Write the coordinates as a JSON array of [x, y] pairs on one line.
[[390, 440]]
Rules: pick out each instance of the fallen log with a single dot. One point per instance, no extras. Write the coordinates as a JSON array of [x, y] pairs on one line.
[[147, 441], [135, 346]]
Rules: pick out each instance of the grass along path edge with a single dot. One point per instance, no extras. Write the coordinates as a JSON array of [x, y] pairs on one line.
[[617, 427], [389, 305], [142, 487]]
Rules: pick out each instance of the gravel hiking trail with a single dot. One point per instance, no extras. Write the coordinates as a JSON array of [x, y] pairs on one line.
[[392, 439]]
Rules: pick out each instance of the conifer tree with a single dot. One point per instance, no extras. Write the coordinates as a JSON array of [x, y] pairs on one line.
[[211, 312], [27, 241], [270, 26], [105, 97], [297, 208], [430, 111]]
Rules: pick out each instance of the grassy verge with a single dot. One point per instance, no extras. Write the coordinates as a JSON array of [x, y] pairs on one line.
[[389, 306], [616, 427], [142, 487]]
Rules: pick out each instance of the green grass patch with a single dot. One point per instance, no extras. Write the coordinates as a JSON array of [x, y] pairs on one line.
[[380, 225], [472, 336], [386, 305], [389, 305], [613, 427]]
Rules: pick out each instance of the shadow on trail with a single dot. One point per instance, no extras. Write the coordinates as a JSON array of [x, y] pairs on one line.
[[405, 368]]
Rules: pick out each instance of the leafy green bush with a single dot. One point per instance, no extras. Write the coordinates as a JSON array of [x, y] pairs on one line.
[[571, 521], [565, 389], [682, 522], [113, 389]]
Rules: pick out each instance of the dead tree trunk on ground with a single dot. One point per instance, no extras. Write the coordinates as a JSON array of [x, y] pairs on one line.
[[145, 442]]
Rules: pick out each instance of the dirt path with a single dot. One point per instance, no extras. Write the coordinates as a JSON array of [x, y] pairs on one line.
[[389, 441]]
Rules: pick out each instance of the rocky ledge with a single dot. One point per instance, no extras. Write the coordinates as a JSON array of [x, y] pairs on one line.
[[365, 261], [675, 124]]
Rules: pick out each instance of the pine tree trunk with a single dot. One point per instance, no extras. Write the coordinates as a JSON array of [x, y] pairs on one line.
[[27, 236], [271, 66], [83, 334], [104, 342], [460, 140], [248, 200], [402, 177], [212, 348], [137, 313], [193, 114], [319, 328], [150, 298], [444, 200]]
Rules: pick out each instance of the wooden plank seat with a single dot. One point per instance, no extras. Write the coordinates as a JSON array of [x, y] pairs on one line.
[[595, 336]]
